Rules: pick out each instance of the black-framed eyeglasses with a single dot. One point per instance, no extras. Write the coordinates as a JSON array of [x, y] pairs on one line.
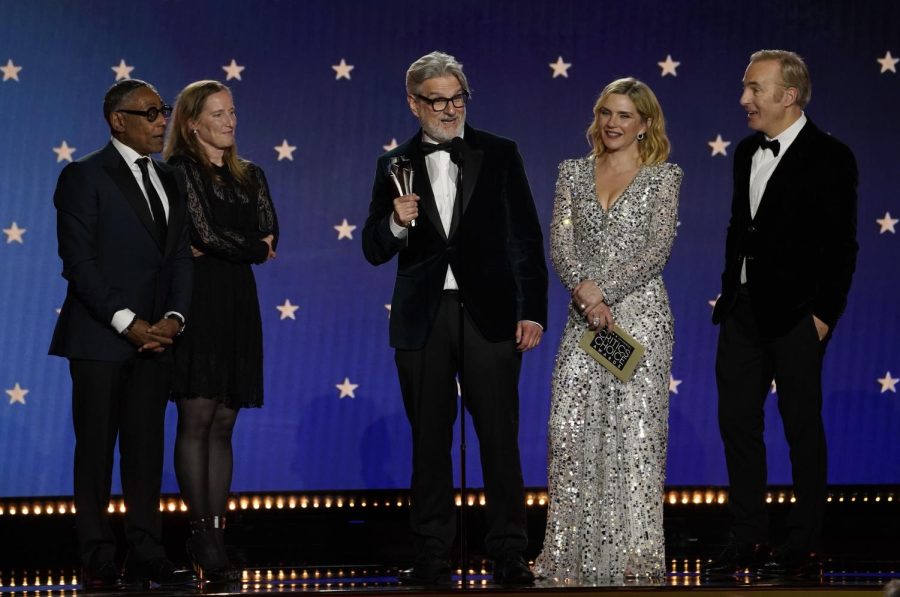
[[151, 114], [439, 104]]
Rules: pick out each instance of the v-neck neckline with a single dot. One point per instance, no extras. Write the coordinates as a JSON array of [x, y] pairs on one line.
[[619, 197]]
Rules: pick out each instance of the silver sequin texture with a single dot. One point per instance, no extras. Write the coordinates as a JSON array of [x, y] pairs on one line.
[[607, 439]]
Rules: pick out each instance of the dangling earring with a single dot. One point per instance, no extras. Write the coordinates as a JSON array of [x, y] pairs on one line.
[[640, 137], [194, 131]]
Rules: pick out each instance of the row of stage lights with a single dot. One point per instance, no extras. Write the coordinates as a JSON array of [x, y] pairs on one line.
[[674, 497]]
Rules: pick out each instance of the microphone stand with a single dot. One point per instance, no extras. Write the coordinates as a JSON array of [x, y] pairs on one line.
[[457, 158]]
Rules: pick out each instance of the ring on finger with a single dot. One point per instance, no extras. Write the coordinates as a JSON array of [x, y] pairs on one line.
[[596, 322]]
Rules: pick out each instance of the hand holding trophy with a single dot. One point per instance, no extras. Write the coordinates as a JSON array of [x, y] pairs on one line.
[[401, 172]]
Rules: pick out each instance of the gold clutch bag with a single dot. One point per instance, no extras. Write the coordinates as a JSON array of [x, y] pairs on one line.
[[614, 349]]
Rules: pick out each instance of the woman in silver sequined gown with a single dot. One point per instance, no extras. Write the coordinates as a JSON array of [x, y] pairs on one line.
[[607, 438]]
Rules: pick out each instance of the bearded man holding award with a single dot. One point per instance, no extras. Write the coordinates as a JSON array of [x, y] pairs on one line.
[[470, 297], [613, 226]]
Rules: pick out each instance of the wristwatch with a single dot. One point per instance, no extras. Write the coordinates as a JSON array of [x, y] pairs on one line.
[[179, 319]]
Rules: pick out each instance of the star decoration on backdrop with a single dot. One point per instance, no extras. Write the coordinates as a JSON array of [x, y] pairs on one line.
[[887, 223], [123, 71], [342, 70], [233, 70], [345, 230], [560, 68], [287, 310], [285, 151], [673, 384], [713, 302], [391, 145], [64, 152], [887, 383], [668, 66], [10, 71], [347, 388], [388, 307], [14, 234], [888, 63], [718, 146], [17, 394]]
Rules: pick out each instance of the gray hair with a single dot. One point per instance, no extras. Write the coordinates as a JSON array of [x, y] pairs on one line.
[[429, 66], [793, 72]]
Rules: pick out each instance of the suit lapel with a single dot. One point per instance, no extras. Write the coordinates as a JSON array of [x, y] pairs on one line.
[[121, 174], [167, 176], [775, 187], [473, 157]]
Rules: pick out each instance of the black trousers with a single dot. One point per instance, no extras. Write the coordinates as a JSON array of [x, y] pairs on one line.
[[490, 386], [746, 364], [124, 400]]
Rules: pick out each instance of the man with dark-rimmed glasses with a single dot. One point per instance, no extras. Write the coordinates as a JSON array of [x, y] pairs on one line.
[[475, 260], [123, 239]]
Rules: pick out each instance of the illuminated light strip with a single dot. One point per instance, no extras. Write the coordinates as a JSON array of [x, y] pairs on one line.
[[171, 504]]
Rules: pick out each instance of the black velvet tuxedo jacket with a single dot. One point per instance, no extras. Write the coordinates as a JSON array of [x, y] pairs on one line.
[[496, 251], [801, 246], [113, 257]]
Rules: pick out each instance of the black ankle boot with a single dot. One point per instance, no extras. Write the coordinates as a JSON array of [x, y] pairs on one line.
[[203, 550]]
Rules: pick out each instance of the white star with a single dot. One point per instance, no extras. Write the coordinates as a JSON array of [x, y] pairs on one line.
[[347, 388], [388, 307], [287, 310], [887, 223], [560, 68], [233, 70], [17, 394], [887, 383], [713, 302], [673, 384], [668, 66], [285, 151], [345, 230], [719, 145], [14, 234], [123, 71], [64, 152], [342, 70], [10, 71], [391, 145], [888, 63]]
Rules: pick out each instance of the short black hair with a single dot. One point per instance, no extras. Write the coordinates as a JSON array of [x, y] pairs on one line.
[[119, 92]]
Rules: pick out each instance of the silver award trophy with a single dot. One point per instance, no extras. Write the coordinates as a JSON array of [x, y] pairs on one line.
[[401, 172]]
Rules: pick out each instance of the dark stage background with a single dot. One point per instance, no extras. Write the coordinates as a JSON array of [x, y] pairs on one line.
[[333, 417]]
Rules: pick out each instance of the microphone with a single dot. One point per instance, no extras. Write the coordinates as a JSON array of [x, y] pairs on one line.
[[457, 150]]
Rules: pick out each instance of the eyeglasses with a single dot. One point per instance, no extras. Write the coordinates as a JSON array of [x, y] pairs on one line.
[[151, 114], [439, 104]]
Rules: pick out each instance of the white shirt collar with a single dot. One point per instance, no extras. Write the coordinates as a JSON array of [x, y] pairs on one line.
[[787, 136], [128, 154]]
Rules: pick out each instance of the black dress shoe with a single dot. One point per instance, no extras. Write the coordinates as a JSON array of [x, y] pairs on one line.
[[787, 562], [736, 559], [159, 571], [512, 570], [101, 576], [426, 571]]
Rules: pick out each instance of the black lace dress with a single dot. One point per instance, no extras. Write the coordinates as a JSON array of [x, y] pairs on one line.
[[220, 354]]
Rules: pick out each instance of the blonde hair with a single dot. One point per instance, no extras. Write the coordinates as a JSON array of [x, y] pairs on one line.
[[183, 142], [655, 146], [793, 72]]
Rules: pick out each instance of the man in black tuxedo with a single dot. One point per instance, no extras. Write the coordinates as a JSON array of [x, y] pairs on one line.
[[477, 243], [790, 255], [123, 239]]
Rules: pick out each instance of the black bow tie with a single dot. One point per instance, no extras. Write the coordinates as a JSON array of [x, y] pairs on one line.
[[774, 145], [428, 148]]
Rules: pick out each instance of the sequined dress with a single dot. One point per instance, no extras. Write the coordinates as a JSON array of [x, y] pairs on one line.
[[607, 438]]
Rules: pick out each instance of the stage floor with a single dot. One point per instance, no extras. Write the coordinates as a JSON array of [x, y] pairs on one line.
[[685, 577]]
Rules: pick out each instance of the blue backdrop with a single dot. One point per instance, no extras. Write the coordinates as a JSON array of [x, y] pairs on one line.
[[322, 81]]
